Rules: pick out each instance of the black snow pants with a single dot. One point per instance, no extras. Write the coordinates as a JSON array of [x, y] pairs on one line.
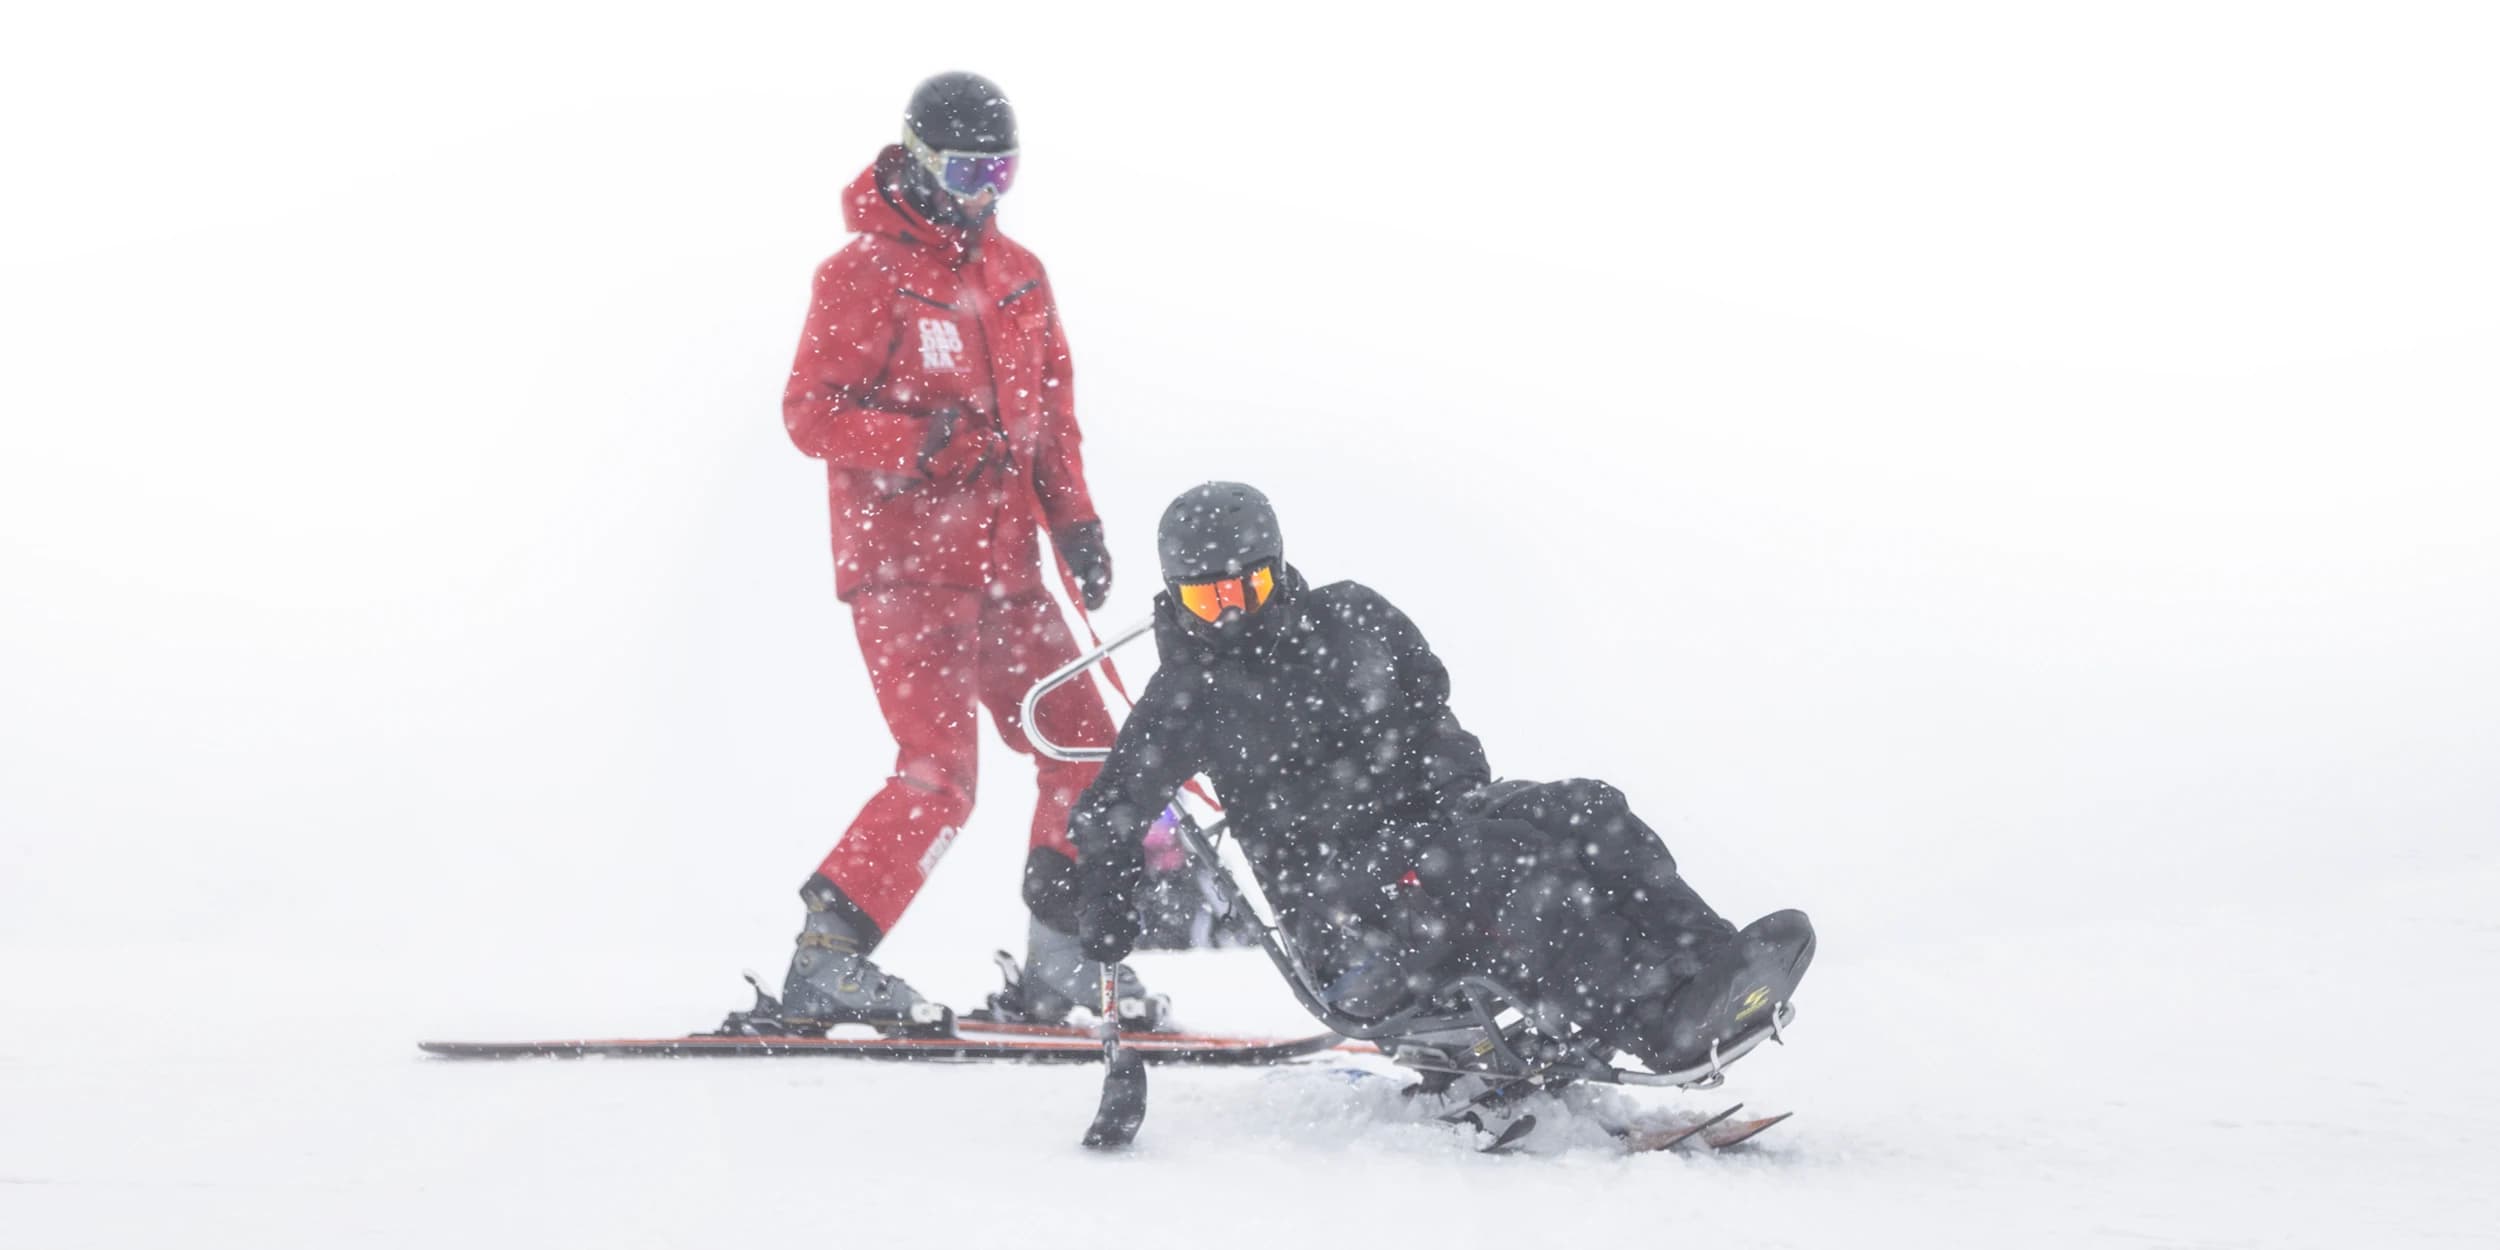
[[1556, 890]]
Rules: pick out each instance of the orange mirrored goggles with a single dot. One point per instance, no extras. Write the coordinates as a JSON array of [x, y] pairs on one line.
[[1248, 592]]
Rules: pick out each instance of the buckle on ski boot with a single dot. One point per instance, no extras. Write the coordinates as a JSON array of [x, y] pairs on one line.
[[768, 1018]]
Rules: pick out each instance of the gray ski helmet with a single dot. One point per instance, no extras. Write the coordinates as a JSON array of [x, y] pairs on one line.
[[960, 112], [1218, 529]]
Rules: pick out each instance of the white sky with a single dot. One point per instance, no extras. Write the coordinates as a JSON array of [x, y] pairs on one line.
[[1934, 457]]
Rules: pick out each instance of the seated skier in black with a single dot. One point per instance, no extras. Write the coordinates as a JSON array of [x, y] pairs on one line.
[[1394, 860]]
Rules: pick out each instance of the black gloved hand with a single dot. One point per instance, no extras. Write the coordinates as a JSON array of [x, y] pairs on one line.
[[1106, 914], [959, 446], [937, 429], [1082, 547]]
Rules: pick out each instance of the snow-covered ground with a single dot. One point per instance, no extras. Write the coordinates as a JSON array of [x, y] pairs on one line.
[[2016, 484], [2240, 1078]]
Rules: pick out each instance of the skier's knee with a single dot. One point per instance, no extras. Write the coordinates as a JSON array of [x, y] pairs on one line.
[[1616, 843], [950, 789], [1594, 805], [1061, 783]]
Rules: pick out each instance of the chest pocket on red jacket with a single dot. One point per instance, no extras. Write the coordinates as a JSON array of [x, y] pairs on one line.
[[1028, 323]]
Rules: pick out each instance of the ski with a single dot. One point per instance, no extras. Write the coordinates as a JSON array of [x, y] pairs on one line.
[[1639, 1142], [1091, 1031], [1508, 1140], [1731, 1134], [971, 1042]]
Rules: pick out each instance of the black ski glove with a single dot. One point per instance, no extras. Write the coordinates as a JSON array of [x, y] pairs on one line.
[[957, 446], [1082, 547], [1106, 914]]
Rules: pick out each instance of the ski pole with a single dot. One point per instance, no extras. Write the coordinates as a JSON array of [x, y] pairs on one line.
[[1123, 1106]]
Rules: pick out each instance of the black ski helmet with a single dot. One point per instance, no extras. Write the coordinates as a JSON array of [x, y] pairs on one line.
[[1223, 559], [1217, 529], [960, 112]]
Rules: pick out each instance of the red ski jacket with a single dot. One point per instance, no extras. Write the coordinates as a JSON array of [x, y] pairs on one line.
[[911, 317]]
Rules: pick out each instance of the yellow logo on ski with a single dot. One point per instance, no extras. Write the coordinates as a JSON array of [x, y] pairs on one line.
[[1756, 999]]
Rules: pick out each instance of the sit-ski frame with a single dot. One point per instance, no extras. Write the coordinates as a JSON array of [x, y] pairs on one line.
[[1493, 1036]]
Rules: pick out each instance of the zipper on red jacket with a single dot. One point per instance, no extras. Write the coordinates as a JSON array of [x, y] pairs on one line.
[[981, 309]]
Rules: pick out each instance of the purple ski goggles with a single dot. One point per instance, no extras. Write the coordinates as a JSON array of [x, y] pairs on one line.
[[964, 174]]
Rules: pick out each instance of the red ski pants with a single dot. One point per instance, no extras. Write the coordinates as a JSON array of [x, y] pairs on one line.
[[934, 652]]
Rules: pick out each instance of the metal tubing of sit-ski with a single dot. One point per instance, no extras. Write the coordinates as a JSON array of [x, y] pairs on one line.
[[1061, 676]]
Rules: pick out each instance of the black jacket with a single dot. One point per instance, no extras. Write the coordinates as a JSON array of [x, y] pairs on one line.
[[1328, 735]]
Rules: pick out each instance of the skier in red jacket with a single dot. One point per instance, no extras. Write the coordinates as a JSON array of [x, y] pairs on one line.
[[933, 381]]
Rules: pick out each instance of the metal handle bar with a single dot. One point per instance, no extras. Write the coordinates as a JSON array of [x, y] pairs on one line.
[[1061, 676]]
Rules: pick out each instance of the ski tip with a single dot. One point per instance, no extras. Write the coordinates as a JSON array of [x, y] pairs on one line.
[[1669, 1139], [1513, 1133], [1733, 1136]]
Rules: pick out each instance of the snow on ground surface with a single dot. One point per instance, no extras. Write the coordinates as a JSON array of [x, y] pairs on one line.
[[2235, 1081], [2015, 482]]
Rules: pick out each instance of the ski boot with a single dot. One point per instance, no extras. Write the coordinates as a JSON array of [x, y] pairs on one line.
[[1739, 990], [1055, 981], [833, 982]]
